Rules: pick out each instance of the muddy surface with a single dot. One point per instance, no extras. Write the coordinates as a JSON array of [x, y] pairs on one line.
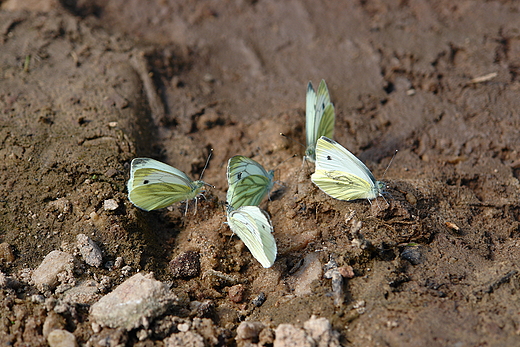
[[87, 87]]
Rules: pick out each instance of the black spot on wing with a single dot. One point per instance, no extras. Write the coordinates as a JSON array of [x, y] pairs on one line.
[[146, 182], [329, 157], [239, 175]]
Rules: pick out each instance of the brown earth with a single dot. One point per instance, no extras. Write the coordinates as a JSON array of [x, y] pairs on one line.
[[87, 86]]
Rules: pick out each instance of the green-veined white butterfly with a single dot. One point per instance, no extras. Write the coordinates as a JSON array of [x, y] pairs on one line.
[[254, 228], [341, 175], [319, 118], [154, 185], [248, 182]]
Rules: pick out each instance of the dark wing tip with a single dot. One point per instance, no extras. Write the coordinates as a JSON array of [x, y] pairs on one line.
[[324, 138]]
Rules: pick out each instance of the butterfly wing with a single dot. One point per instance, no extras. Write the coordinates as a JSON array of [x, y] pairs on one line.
[[248, 182], [250, 191], [319, 117], [343, 186], [341, 175], [254, 228], [154, 185]]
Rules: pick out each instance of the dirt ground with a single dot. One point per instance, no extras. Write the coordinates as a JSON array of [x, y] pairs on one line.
[[86, 86]]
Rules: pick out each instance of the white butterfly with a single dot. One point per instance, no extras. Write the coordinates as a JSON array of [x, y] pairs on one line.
[[341, 175], [254, 228], [154, 185], [319, 117], [248, 182]]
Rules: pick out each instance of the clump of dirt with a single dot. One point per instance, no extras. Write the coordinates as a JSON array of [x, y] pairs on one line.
[[83, 92]]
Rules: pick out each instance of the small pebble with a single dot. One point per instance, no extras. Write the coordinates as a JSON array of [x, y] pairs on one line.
[[61, 338], [6, 253], [183, 327], [61, 205], [111, 172], [89, 250], [94, 217], [346, 271], [54, 264], [202, 309], [119, 262], [413, 254], [134, 303], [310, 271], [110, 205], [184, 339], [84, 293], [249, 331], [109, 265], [266, 337], [288, 335], [236, 293], [259, 300], [320, 330], [360, 306], [53, 321], [38, 299], [126, 270]]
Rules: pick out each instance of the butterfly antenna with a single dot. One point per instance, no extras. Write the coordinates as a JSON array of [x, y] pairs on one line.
[[206, 165], [293, 140], [292, 156], [390, 163], [276, 182]]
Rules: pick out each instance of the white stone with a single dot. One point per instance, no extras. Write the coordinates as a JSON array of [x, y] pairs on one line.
[[133, 304], [61, 338], [56, 264]]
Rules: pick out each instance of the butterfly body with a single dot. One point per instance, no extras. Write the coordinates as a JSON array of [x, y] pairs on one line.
[[341, 175], [253, 227], [248, 182], [319, 118], [153, 184]]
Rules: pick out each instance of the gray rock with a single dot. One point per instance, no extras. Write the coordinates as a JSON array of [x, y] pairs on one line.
[[133, 304], [56, 266], [53, 321], [90, 252], [248, 332], [184, 339], [287, 335], [61, 338], [316, 332], [311, 270], [85, 292], [321, 332]]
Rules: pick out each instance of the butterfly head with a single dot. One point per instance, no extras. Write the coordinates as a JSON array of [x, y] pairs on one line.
[[380, 188], [229, 208], [310, 154]]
